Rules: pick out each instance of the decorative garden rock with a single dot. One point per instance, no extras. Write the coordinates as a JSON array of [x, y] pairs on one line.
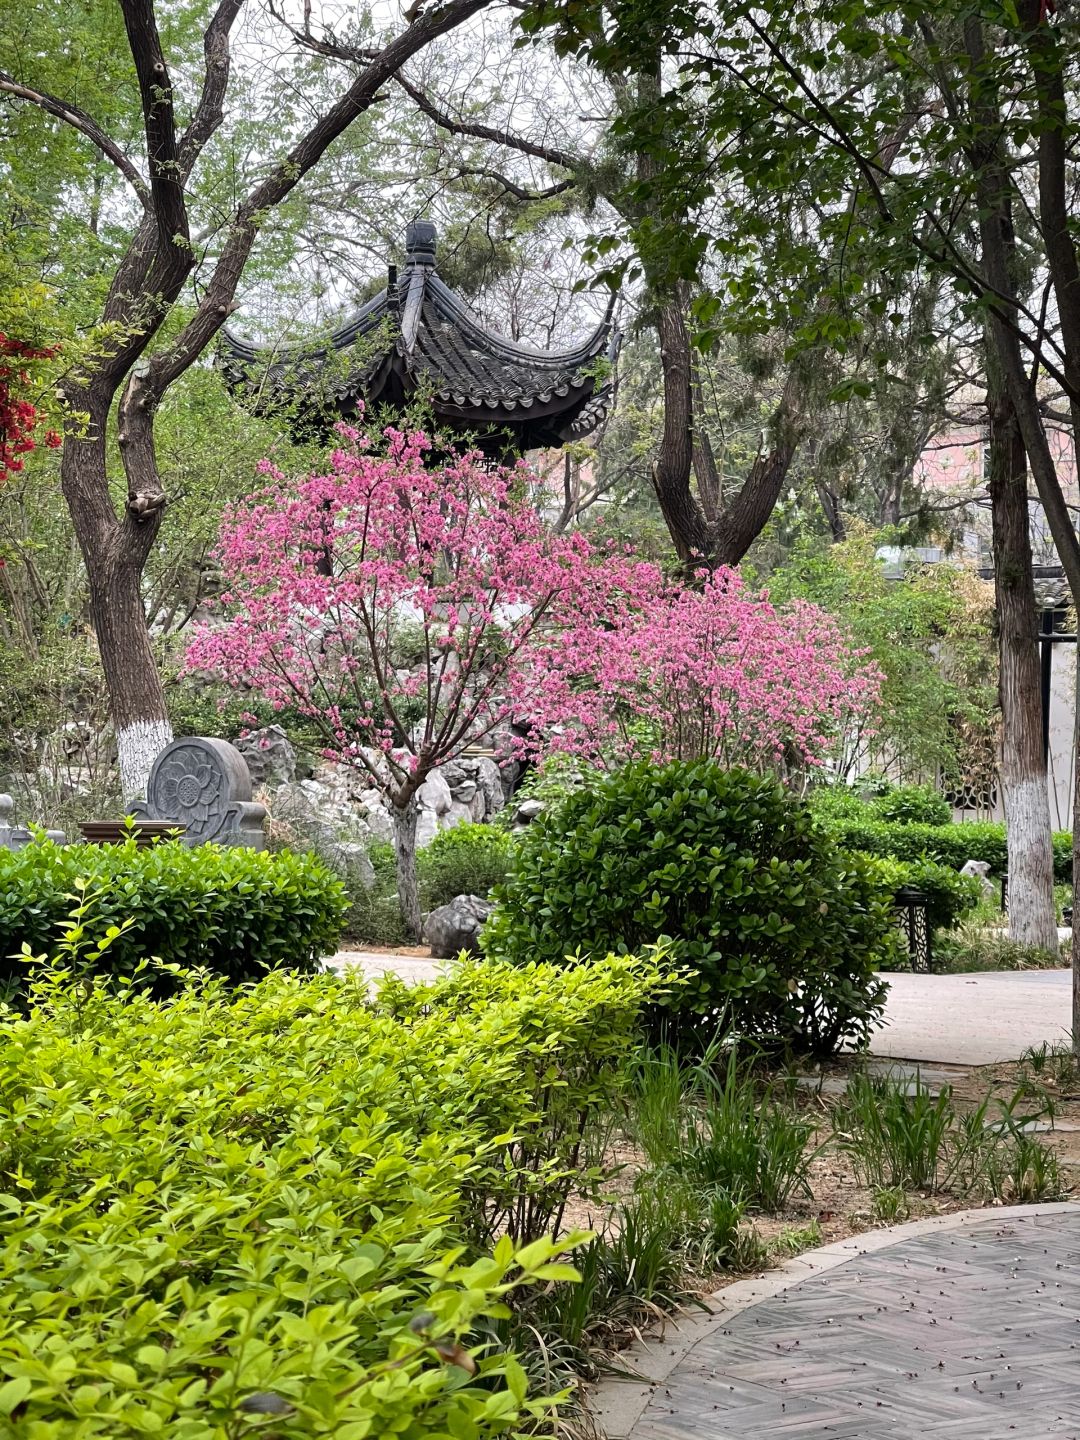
[[456, 927], [204, 784], [269, 754], [980, 869]]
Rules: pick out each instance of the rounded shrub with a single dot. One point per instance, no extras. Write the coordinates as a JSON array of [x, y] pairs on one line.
[[464, 860], [782, 929], [233, 911], [912, 805], [950, 896]]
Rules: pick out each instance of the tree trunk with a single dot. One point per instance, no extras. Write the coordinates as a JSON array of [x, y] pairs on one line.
[[114, 551], [407, 884], [1032, 917], [131, 674]]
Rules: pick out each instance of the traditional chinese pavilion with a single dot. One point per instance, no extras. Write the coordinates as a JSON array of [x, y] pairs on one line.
[[417, 337]]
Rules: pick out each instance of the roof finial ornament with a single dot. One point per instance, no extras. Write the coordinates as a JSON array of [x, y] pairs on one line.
[[420, 243]]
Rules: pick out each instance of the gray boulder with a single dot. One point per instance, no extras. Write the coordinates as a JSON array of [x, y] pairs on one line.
[[980, 869], [456, 927], [269, 754]]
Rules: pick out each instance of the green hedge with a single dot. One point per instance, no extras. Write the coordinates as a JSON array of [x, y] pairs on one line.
[[272, 1210], [951, 845], [782, 929], [237, 912], [950, 895]]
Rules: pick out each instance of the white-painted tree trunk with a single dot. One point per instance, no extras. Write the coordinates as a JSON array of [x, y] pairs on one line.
[[138, 746], [1029, 840], [1031, 863]]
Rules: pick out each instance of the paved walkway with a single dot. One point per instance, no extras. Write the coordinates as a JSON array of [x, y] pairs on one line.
[[963, 1328], [974, 1019]]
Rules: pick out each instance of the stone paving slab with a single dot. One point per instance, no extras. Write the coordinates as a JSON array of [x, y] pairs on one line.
[[965, 1327], [973, 1019], [374, 963]]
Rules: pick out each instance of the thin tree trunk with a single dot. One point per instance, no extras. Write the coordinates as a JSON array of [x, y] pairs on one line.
[[407, 884], [996, 192], [1032, 917]]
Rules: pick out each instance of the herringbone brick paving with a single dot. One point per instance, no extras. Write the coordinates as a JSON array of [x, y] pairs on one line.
[[955, 1336]]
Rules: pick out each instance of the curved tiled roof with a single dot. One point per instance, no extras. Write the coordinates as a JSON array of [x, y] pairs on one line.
[[420, 336]]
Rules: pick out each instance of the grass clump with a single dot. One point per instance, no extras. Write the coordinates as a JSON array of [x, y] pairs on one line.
[[901, 1136]]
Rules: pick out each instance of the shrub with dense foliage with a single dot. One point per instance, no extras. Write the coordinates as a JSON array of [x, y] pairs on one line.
[[464, 860], [782, 928], [233, 911], [951, 845], [274, 1206], [950, 895], [876, 800]]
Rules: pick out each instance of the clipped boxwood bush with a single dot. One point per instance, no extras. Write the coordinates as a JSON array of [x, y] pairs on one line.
[[464, 860], [782, 928], [903, 804], [272, 1210], [951, 845], [236, 912]]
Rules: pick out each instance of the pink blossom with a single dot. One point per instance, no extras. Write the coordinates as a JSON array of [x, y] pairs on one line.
[[451, 562]]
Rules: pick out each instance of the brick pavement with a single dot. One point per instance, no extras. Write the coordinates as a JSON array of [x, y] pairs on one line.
[[970, 1334]]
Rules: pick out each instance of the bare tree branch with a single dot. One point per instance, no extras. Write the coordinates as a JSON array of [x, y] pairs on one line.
[[457, 126], [79, 120], [519, 192]]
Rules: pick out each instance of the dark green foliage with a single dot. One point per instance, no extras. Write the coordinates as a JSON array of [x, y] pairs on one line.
[[464, 860], [233, 911], [912, 804], [951, 845], [782, 930], [951, 895], [274, 1201]]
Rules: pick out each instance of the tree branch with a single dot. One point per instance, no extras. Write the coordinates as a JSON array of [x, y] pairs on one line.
[[217, 302], [519, 192], [456, 126], [159, 123], [79, 120], [210, 112]]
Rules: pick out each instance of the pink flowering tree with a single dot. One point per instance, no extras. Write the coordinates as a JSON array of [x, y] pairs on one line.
[[712, 672], [410, 604], [328, 578]]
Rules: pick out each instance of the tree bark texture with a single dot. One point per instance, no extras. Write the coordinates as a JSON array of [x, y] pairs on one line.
[[1032, 916], [725, 537], [408, 886], [996, 195]]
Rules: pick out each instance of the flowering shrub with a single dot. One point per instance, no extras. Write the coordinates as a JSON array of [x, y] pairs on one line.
[[18, 417], [337, 583], [323, 577], [783, 930], [714, 672]]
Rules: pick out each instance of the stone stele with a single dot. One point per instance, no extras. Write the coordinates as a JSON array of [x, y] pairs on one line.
[[204, 784]]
